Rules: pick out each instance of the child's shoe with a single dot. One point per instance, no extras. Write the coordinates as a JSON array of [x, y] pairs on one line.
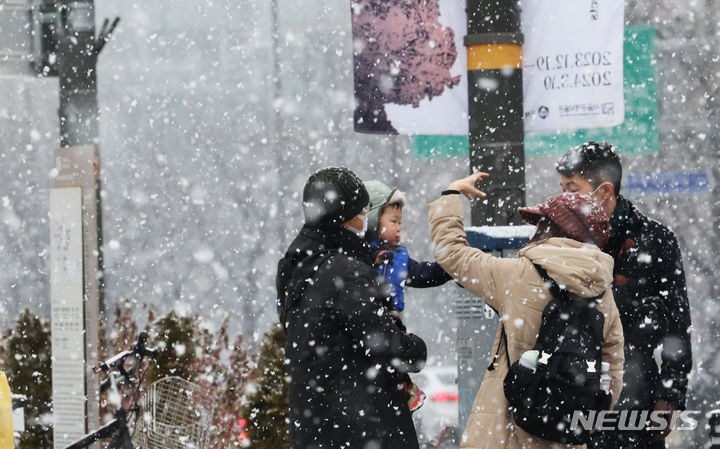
[[416, 396]]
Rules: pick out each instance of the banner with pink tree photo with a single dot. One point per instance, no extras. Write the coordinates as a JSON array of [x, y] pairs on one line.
[[410, 66]]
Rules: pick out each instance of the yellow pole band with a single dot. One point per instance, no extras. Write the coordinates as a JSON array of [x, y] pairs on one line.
[[494, 56]]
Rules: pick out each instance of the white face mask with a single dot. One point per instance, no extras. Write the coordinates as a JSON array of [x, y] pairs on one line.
[[359, 232], [594, 192]]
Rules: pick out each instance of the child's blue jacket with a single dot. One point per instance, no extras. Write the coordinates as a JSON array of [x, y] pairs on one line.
[[406, 272]]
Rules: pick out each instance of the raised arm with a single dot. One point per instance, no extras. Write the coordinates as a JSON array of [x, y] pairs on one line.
[[425, 274], [470, 267]]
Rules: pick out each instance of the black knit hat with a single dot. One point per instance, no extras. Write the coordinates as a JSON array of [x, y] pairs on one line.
[[333, 195]]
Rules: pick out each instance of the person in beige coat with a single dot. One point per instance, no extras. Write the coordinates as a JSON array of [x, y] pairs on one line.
[[516, 291]]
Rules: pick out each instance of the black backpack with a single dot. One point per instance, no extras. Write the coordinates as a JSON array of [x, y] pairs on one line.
[[567, 377]]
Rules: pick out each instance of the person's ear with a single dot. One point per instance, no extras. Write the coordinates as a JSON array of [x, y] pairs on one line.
[[608, 190]]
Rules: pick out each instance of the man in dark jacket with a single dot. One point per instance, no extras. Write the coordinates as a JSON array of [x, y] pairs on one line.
[[346, 354], [650, 293]]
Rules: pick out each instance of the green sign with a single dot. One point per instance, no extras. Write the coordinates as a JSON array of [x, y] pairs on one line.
[[638, 134]]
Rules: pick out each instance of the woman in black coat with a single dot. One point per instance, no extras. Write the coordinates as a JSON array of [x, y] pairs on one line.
[[346, 355]]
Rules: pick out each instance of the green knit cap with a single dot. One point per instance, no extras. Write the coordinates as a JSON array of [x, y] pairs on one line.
[[380, 196]]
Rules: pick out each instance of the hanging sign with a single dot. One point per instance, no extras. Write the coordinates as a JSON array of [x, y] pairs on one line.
[[572, 64]]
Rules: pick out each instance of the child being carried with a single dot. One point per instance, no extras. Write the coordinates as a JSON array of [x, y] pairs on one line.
[[393, 261]]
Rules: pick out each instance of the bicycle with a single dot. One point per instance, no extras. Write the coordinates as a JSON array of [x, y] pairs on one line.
[[118, 428], [176, 413]]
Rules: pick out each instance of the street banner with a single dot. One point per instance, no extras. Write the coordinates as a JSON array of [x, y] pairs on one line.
[[572, 64], [669, 184], [410, 66], [637, 134]]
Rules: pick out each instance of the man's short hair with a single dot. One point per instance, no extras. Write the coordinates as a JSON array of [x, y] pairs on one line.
[[595, 162]]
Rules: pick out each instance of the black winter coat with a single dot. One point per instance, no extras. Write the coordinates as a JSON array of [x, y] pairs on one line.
[[650, 293], [345, 354]]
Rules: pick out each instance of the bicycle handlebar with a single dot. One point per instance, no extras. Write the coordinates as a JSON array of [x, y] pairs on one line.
[[118, 361], [141, 349], [132, 379]]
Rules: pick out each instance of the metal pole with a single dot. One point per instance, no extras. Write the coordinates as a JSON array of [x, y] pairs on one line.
[[496, 108], [78, 74], [78, 49], [77, 52], [494, 46], [280, 152]]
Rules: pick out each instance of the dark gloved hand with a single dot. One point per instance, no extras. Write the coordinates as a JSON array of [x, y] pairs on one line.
[[649, 324], [419, 354], [398, 322], [383, 256]]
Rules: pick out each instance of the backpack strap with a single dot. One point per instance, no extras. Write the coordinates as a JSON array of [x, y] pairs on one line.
[[562, 294], [503, 339], [555, 290]]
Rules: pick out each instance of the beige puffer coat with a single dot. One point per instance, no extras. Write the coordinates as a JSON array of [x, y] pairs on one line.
[[515, 289]]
